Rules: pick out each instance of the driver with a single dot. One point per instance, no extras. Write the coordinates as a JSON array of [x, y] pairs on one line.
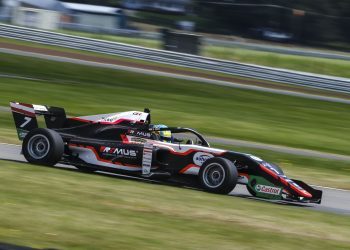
[[164, 135]]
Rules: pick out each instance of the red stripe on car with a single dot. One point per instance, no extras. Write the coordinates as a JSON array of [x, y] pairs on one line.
[[191, 165], [303, 193], [23, 112]]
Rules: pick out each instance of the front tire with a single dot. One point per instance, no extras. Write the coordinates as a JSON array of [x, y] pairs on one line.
[[218, 175], [43, 146]]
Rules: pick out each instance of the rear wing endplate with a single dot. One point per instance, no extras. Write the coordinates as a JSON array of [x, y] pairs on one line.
[[24, 115]]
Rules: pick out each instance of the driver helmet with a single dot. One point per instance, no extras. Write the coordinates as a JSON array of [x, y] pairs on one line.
[[164, 135]]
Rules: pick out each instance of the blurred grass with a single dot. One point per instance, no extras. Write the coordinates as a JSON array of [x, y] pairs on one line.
[[53, 208], [182, 70], [213, 110], [133, 61], [277, 60]]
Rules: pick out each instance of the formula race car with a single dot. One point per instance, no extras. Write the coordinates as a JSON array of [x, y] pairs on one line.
[[128, 143]]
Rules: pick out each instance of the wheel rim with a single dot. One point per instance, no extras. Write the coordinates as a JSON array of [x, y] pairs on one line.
[[38, 146], [214, 175]]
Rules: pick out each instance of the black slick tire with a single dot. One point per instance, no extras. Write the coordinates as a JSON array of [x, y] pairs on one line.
[[218, 175], [43, 146]]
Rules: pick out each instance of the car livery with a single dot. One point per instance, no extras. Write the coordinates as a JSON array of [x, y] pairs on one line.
[[127, 143]]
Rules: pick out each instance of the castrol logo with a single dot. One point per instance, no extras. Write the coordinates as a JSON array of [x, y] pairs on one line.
[[267, 189]]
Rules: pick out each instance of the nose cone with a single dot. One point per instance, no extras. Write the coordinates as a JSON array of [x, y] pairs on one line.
[[305, 194]]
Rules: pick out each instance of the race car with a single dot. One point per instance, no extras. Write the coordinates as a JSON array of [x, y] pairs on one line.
[[128, 143]]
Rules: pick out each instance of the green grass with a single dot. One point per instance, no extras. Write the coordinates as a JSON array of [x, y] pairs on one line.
[[171, 68], [52, 208], [213, 110], [140, 63], [301, 63]]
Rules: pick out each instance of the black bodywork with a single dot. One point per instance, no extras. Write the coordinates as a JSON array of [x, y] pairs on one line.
[[123, 144]]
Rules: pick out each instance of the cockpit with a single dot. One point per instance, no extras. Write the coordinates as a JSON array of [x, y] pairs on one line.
[[177, 135]]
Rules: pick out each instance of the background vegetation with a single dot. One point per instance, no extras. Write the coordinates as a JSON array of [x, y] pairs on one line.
[[321, 22]]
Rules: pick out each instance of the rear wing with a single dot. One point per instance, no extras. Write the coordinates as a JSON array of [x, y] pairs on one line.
[[25, 118]]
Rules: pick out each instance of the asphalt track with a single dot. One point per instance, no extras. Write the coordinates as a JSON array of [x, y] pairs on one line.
[[334, 200]]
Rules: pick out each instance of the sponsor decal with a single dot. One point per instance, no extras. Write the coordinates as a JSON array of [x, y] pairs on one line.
[[144, 134], [267, 189], [26, 121], [138, 139], [112, 118], [255, 158], [139, 133], [147, 158], [200, 157], [39, 107], [21, 133], [119, 151]]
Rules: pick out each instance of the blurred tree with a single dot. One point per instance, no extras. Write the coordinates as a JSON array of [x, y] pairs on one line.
[[310, 21]]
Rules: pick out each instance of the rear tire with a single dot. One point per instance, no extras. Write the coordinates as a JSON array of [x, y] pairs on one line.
[[218, 175], [43, 146]]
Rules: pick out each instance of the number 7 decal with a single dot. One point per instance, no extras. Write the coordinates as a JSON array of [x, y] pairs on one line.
[[26, 121]]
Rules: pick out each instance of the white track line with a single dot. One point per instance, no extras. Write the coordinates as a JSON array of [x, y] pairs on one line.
[[331, 188], [10, 144]]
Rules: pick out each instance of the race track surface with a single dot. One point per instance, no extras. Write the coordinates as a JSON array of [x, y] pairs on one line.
[[334, 200]]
